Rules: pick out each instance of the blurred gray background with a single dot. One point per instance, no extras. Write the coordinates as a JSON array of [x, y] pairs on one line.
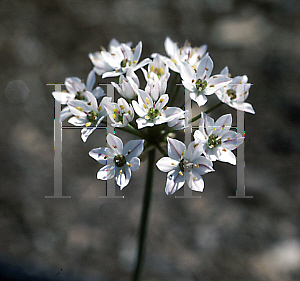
[[86, 238]]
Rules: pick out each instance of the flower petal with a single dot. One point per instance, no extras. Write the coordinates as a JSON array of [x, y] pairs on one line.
[[194, 181], [99, 154], [135, 164], [223, 124], [106, 173], [123, 176], [133, 148], [115, 143], [205, 68], [166, 164], [176, 149], [226, 156], [203, 165], [174, 181]]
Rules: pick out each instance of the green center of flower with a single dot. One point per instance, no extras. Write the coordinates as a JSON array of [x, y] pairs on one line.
[[231, 94], [185, 165], [201, 85], [214, 141], [124, 62], [80, 96], [92, 117], [153, 113], [120, 160]]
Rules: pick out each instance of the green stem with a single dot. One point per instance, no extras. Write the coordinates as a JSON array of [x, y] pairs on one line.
[[207, 111], [144, 218], [173, 98]]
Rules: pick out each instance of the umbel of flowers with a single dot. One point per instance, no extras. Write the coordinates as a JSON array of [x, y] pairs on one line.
[[150, 107], [149, 114]]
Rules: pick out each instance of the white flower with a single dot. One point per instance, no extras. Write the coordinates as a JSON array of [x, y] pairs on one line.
[[123, 59], [177, 123], [120, 113], [151, 113], [184, 165], [97, 59], [128, 87], [199, 82], [76, 89], [235, 93], [118, 161], [88, 114], [188, 54], [157, 78], [217, 139]]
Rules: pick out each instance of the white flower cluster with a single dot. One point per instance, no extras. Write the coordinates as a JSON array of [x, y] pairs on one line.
[[213, 141]]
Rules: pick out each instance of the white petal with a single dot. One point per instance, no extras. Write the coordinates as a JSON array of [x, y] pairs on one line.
[[90, 81], [76, 121], [194, 150], [139, 110], [174, 181], [135, 164], [223, 124], [133, 148], [187, 72], [74, 85], [115, 143], [86, 132], [107, 172], [142, 123], [195, 181], [204, 165], [98, 92], [162, 101], [176, 149], [123, 176], [92, 99], [99, 154], [166, 164], [227, 156], [63, 97], [231, 140], [246, 107], [205, 68], [201, 99], [65, 113], [79, 107]]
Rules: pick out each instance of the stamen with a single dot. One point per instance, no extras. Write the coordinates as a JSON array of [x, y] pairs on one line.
[[194, 178], [180, 173], [88, 124], [147, 100]]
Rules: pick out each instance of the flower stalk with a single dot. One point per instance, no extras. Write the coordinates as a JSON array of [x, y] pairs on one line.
[[144, 222]]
